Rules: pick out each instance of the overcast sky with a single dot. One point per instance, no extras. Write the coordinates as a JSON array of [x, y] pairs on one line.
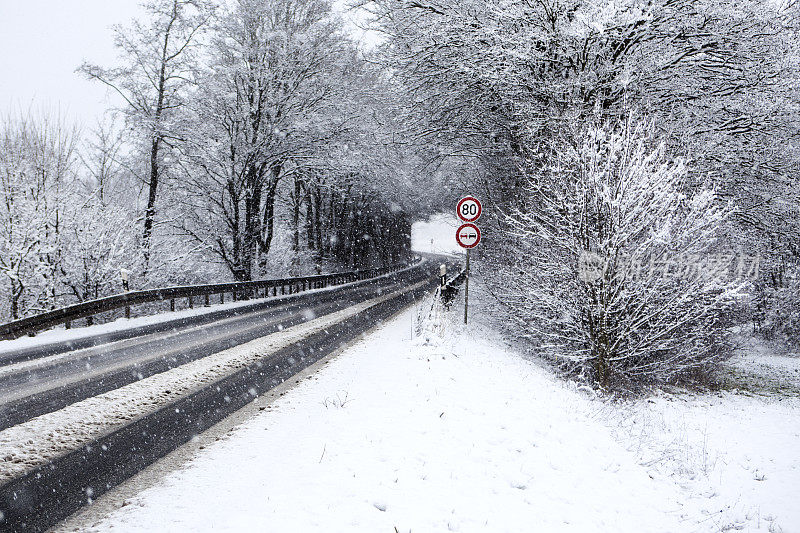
[[42, 42]]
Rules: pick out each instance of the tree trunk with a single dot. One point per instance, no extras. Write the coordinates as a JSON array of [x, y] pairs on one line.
[[252, 203], [318, 222], [234, 259], [150, 212], [16, 293], [310, 239], [155, 145], [268, 221], [297, 200]]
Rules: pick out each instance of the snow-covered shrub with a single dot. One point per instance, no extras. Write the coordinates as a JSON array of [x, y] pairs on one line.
[[97, 241], [777, 307], [617, 271]]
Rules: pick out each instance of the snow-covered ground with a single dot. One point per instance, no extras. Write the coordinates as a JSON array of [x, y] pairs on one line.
[[436, 235], [764, 368], [462, 434]]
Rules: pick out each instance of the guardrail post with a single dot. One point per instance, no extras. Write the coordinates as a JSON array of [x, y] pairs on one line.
[[283, 289], [191, 303], [172, 304], [127, 311], [222, 297], [207, 300], [67, 324]]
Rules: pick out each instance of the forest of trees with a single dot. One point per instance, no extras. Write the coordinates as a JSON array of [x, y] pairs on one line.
[[258, 138]]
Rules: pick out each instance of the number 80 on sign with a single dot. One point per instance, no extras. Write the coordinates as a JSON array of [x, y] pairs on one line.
[[469, 209]]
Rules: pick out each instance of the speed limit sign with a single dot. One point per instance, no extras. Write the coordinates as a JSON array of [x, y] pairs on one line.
[[468, 236], [469, 209]]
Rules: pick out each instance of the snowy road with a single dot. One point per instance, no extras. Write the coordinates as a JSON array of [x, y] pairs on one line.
[[119, 407], [45, 384]]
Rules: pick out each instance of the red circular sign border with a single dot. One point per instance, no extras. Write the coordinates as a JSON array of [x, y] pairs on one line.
[[480, 208], [473, 226]]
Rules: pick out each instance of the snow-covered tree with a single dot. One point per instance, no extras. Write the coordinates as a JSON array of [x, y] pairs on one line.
[[37, 171], [618, 271], [98, 241], [65, 227], [268, 62], [158, 57], [284, 95], [719, 78], [104, 160]]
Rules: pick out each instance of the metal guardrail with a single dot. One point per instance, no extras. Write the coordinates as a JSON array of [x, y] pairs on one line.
[[241, 289]]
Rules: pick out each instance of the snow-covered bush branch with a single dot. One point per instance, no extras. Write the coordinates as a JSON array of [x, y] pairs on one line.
[[614, 203]]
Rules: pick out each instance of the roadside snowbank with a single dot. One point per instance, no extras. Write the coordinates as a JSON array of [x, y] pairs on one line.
[[736, 450]]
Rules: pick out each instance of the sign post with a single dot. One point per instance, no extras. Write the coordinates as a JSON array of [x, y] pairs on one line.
[[468, 236], [466, 287]]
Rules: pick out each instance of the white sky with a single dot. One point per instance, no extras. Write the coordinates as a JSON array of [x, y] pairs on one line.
[[42, 42]]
